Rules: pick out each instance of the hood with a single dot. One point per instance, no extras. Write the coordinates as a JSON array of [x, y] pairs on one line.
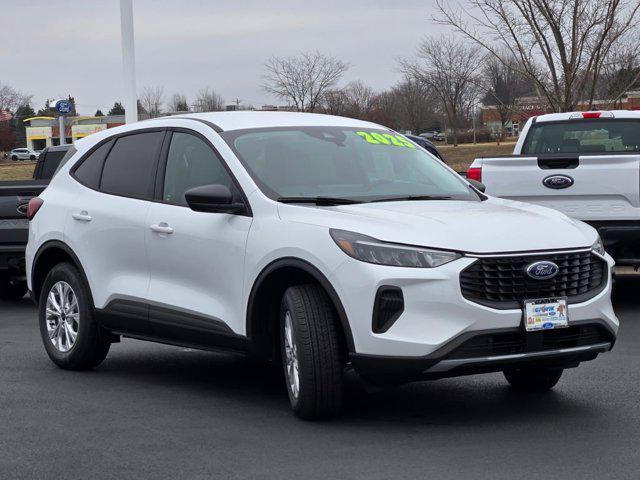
[[493, 226]]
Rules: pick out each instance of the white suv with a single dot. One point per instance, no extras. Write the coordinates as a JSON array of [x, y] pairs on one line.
[[322, 242], [22, 154]]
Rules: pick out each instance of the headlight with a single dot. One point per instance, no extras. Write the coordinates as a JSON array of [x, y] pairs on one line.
[[598, 247], [370, 250]]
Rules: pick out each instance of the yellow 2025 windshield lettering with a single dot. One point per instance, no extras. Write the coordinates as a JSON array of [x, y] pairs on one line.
[[376, 138]]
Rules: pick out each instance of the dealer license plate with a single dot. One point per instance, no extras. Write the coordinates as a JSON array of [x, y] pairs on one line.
[[545, 314]]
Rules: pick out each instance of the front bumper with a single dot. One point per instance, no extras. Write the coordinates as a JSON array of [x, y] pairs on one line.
[[437, 319], [482, 352]]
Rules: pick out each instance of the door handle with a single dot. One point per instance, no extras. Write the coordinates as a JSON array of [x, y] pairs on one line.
[[162, 227], [83, 216]]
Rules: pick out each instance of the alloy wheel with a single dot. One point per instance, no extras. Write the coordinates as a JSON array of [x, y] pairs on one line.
[[62, 316], [291, 357]]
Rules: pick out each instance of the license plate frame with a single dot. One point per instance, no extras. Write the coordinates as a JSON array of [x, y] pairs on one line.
[[541, 314]]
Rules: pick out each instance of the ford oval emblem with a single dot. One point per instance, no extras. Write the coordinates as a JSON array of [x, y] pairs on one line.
[[558, 182], [544, 270]]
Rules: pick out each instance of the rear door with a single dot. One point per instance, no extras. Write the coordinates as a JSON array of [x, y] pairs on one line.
[[586, 168], [107, 225]]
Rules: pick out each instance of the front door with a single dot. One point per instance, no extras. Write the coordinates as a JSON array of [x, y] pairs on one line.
[[196, 259]]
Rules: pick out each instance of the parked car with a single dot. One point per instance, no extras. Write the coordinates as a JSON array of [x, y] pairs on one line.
[[322, 242], [14, 227], [426, 144], [22, 154], [585, 164]]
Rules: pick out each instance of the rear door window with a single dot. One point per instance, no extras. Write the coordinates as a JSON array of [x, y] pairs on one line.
[[130, 168], [584, 136]]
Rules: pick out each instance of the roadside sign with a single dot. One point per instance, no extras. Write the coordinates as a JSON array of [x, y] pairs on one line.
[[64, 107]]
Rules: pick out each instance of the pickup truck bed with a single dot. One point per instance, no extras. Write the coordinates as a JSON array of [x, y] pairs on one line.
[[14, 232]]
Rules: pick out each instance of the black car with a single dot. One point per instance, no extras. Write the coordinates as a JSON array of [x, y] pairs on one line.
[[48, 161], [14, 227], [426, 144]]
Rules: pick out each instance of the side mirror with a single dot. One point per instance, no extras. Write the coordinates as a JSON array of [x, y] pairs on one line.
[[213, 199], [477, 185]]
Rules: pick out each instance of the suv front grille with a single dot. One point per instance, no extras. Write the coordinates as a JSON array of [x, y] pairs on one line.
[[509, 343], [502, 283]]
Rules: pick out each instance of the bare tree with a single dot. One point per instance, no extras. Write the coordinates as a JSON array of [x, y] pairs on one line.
[[410, 106], [304, 79], [363, 99], [336, 102], [356, 100], [449, 67], [620, 73], [178, 103], [208, 100], [504, 86], [560, 45], [151, 100], [11, 99]]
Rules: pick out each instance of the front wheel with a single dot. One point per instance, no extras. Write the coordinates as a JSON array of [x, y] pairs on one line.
[[530, 379], [32, 157], [14, 157], [310, 349], [71, 336]]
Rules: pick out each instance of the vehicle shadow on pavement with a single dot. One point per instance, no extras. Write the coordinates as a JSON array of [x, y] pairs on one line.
[[247, 385]]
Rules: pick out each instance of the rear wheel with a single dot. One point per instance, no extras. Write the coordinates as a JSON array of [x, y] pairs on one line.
[[311, 352], [71, 336], [12, 290], [531, 379]]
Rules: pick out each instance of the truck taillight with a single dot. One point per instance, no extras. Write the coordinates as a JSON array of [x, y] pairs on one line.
[[588, 115], [34, 205], [475, 173]]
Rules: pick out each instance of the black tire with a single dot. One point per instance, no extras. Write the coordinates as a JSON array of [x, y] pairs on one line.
[[12, 290], [32, 157], [92, 342], [528, 379], [14, 157], [316, 338]]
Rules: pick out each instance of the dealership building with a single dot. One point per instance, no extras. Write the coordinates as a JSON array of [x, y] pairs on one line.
[[527, 107], [44, 132]]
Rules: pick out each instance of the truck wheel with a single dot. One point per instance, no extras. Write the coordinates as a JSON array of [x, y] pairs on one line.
[[71, 336], [12, 290], [528, 379], [311, 352]]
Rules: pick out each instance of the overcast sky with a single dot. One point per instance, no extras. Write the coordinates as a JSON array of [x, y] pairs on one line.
[[51, 48]]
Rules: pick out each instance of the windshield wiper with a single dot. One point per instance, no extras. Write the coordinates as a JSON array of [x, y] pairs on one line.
[[320, 201], [412, 197]]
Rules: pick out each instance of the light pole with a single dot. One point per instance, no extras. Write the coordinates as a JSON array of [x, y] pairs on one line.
[[128, 61]]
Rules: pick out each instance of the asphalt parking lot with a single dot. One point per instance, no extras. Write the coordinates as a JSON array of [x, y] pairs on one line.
[[153, 411]]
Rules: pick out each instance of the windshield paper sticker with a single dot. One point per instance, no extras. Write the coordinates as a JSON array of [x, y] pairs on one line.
[[376, 138]]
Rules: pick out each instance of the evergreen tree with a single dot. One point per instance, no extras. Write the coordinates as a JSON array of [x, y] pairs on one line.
[[117, 109]]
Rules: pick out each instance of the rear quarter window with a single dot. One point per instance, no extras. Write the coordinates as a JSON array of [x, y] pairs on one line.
[[89, 170]]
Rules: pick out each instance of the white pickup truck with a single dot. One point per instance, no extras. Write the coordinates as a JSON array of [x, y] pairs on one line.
[[585, 164]]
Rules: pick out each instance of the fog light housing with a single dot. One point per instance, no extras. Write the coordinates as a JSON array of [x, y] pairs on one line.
[[387, 308]]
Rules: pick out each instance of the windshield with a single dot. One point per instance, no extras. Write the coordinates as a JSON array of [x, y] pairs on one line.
[[338, 162], [584, 136]]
